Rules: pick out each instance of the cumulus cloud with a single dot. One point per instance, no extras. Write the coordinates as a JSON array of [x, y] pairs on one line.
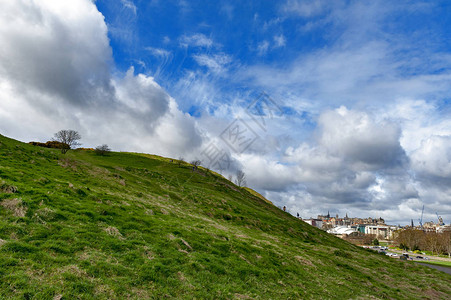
[[56, 72], [433, 158], [358, 139], [50, 53], [355, 164], [353, 160]]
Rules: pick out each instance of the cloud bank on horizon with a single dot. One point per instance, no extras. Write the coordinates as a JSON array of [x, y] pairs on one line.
[[363, 90]]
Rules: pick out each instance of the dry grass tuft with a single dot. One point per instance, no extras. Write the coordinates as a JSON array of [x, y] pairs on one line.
[[304, 261], [15, 206], [7, 189], [186, 244], [67, 163], [113, 231]]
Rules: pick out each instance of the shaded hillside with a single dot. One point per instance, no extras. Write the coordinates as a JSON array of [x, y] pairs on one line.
[[141, 226]]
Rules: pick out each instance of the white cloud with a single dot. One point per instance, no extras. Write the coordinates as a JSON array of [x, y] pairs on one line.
[[354, 161], [305, 8], [433, 158], [262, 48], [158, 52], [196, 40], [279, 41], [419, 119], [129, 5], [216, 63], [45, 51], [55, 74], [358, 139]]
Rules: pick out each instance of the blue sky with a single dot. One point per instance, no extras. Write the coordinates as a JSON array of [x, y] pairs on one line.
[[355, 110]]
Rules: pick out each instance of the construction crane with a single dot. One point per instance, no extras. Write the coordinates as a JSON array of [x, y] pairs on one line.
[[440, 220], [421, 220]]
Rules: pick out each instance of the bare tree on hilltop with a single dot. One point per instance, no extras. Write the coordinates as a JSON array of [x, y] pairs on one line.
[[102, 150], [240, 178], [180, 160], [69, 138], [196, 164]]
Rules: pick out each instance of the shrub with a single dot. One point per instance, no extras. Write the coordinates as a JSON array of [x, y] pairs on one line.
[[51, 144]]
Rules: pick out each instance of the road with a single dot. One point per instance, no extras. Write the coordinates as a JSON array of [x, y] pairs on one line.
[[440, 268], [413, 255]]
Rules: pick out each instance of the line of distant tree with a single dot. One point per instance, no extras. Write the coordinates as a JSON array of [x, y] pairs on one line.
[[415, 239], [359, 238]]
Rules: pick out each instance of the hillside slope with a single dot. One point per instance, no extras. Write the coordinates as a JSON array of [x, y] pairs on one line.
[[140, 226]]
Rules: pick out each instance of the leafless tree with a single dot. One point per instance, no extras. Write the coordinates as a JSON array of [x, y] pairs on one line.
[[240, 178], [68, 137], [196, 164], [180, 160], [102, 150], [411, 238], [433, 242], [447, 242]]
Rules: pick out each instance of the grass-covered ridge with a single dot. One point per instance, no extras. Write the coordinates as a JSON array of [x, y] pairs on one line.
[[140, 226]]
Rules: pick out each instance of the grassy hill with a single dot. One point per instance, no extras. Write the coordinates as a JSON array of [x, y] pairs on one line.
[[140, 226]]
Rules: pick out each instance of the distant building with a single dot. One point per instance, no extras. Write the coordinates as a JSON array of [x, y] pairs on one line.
[[325, 217], [314, 222], [443, 228], [342, 230], [381, 231], [329, 221]]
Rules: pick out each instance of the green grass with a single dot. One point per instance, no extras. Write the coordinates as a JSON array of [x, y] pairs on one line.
[[127, 225]]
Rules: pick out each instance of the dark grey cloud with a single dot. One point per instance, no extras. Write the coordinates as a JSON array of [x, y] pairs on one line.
[[355, 160]]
